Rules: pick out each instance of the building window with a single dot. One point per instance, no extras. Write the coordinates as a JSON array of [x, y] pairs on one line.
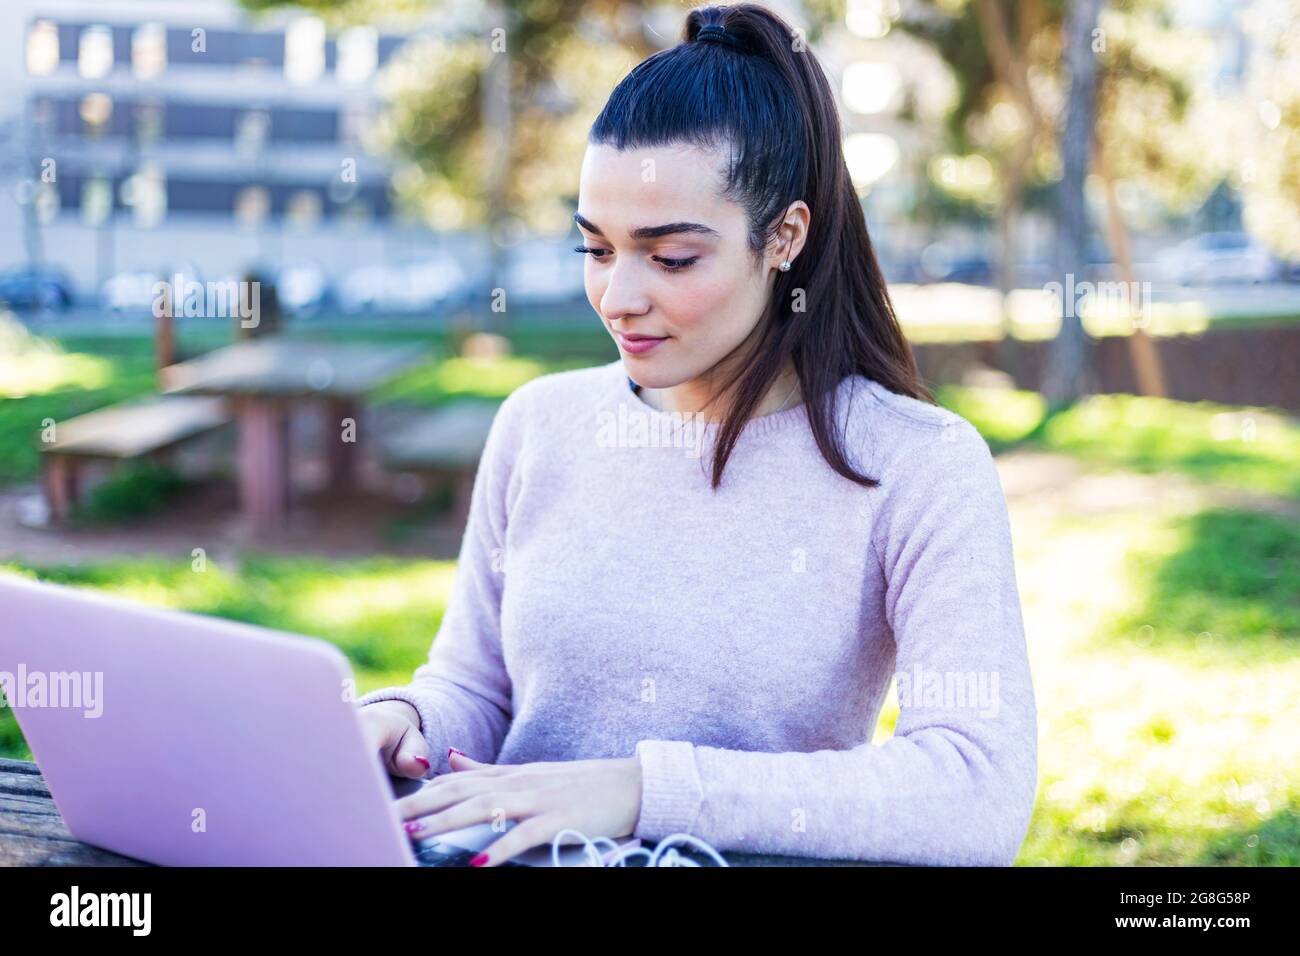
[[148, 122], [251, 132], [356, 212], [252, 206], [358, 55], [96, 112], [146, 195], [353, 118], [47, 202], [42, 48], [42, 119], [303, 209], [95, 52], [149, 50], [304, 50], [96, 200]]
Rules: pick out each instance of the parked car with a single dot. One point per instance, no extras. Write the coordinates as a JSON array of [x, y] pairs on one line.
[[1213, 258], [412, 286], [942, 262], [302, 288], [129, 292], [25, 288], [544, 273]]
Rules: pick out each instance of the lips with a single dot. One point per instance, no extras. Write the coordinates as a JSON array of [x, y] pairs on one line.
[[637, 344], [638, 337]]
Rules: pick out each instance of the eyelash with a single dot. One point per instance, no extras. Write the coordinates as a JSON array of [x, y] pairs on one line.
[[670, 265]]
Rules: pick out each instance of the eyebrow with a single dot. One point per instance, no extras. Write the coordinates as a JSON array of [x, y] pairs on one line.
[[651, 232]]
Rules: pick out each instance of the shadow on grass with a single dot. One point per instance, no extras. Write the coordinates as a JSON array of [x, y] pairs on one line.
[[1225, 592], [1275, 841], [1143, 832]]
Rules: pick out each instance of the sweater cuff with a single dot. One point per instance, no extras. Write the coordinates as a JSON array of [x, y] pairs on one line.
[[671, 794], [430, 725]]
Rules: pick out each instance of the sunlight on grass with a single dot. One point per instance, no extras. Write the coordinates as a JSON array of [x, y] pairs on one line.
[[1249, 448], [471, 378], [1254, 449], [1001, 415], [1150, 752], [38, 372]]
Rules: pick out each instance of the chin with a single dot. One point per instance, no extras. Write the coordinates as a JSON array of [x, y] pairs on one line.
[[645, 375]]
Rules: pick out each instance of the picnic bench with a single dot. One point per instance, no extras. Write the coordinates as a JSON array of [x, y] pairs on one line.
[[33, 834], [120, 433], [264, 379], [445, 444]]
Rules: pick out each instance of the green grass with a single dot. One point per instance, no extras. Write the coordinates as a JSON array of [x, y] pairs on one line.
[[136, 489], [1254, 449], [23, 418], [1164, 651], [1221, 588], [440, 380]]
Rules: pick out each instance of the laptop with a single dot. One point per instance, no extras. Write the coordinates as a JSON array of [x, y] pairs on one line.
[[187, 740]]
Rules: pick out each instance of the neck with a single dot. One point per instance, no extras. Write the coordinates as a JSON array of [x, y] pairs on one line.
[[692, 398]]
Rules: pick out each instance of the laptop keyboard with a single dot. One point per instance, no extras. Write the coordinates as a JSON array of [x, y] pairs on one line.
[[443, 854]]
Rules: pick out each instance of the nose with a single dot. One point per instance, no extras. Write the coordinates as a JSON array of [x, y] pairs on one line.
[[623, 296]]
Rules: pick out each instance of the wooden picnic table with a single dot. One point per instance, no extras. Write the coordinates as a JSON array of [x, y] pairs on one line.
[[446, 445], [146, 427], [33, 834], [263, 379]]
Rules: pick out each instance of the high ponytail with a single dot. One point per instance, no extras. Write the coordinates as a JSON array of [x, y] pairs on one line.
[[764, 98]]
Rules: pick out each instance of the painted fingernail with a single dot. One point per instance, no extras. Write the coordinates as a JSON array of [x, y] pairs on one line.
[[423, 762], [415, 826], [453, 750], [481, 859]]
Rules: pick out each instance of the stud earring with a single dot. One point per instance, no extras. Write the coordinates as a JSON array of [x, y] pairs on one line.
[[785, 266]]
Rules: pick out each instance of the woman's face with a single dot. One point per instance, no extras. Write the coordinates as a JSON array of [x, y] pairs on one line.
[[670, 260]]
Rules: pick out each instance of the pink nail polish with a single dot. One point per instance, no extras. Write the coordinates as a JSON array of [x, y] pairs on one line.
[[453, 750], [423, 762], [414, 826], [481, 859]]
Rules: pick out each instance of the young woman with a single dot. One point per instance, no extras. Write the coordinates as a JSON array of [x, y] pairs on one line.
[[650, 636]]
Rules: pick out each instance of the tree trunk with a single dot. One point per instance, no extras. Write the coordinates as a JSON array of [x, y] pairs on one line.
[[1142, 351], [496, 113], [1065, 379]]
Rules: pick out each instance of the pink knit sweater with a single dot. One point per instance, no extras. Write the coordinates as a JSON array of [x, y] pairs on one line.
[[608, 602]]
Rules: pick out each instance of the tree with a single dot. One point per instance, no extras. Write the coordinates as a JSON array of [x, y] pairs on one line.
[[1008, 62], [1065, 378]]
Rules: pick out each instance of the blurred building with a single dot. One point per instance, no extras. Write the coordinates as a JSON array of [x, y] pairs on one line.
[[156, 135]]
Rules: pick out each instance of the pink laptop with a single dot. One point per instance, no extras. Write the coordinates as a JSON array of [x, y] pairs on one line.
[[189, 740]]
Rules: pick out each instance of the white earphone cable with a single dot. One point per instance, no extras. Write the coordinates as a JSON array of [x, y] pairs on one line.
[[665, 853]]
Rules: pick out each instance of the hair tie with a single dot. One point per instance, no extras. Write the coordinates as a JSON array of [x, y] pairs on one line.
[[715, 33]]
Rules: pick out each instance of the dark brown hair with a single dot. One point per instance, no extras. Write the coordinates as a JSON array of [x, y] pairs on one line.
[[765, 97]]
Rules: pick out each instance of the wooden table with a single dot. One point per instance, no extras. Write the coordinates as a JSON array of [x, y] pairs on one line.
[[444, 444], [263, 379], [126, 432], [32, 832]]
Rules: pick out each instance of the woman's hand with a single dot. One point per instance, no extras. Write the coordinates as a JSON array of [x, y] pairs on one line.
[[393, 729], [594, 797]]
